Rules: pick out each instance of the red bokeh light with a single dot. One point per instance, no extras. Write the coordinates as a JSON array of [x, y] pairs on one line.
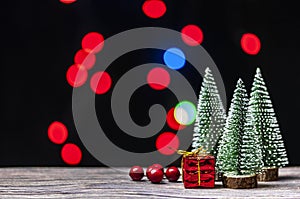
[[100, 82], [158, 78], [87, 60], [57, 132], [76, 75], [172, 123], [192, 35], [67, 1], [71, 154], [250, 43], [92, 42], [154, 8], [167, 143]]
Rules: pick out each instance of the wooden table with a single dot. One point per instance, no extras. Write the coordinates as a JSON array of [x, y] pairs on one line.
[[99, 182]]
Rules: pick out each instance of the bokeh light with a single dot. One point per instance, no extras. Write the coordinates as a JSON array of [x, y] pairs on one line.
[[67, 1], [185, 113], [167, 143], [192, 35], [174, 58], [158, 78], [57, 132], [92, 42], [76, 75], [154, 8], [71, 154], [100, 82], [86, 59], [172, 123], [250, 43]]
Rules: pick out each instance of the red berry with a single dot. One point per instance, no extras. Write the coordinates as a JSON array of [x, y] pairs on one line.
[[172, 174], [158, 166], [156, 175], [136, 173], [148, 171]]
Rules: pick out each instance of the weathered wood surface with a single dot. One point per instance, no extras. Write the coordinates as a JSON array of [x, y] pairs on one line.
[[97, 182]]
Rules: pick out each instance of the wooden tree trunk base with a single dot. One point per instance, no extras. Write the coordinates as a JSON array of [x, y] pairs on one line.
[[268, 174], [240, 181]]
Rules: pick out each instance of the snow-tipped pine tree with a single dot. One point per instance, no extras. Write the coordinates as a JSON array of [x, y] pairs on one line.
[[211, 116], [266, 125], [229, 148], [250, 157]]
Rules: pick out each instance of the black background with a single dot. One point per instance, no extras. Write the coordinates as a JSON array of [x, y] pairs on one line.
[[39, 40]]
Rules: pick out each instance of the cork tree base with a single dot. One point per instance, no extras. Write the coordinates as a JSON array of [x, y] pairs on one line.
[[268, 174], [240, 181]]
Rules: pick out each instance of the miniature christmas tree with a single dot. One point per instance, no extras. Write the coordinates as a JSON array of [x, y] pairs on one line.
[[211, 116], [229, 149], [266, 125], [250, 157], [239, 158]]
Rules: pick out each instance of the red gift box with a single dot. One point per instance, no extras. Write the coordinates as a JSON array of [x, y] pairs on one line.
[[198, 170]]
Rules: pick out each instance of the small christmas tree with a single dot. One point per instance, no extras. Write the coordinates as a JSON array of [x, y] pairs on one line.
[[237, 143], [250, 157], [211, 116], [265, 122], [238, 154], [266, 125]]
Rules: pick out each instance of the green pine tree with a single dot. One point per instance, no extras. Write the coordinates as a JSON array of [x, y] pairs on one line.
[[211, 116], [266, 125], [250, 156], [229, 148]]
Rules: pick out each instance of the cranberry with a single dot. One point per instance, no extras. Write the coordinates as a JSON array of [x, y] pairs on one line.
[[172, 174], [158, 166], [156, 175], [136, 173], [148, 171]]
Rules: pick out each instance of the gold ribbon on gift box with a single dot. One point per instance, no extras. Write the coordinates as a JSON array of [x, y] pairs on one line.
[[197, 152]]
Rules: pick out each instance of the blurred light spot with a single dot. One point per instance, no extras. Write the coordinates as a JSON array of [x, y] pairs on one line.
[[158, 78], [250, 43], [76, 75], [185, 113], [192, 35], [92, 42], [67, 1], [87, 60], [71, 154], [100, 82], [154, 8], [57, 132], [174, 58], [172, 123], [167, 143]]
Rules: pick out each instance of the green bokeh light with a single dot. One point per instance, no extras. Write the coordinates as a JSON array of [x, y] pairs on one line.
[[185, 112]]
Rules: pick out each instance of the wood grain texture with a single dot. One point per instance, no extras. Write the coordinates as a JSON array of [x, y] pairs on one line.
[[99, 182], [240, 182], [268, 174]]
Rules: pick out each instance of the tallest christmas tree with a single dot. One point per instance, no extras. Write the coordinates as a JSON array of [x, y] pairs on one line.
[[211, 116], [265, 124]]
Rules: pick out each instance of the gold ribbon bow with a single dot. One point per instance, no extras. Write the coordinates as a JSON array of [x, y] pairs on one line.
[[199, 151]]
